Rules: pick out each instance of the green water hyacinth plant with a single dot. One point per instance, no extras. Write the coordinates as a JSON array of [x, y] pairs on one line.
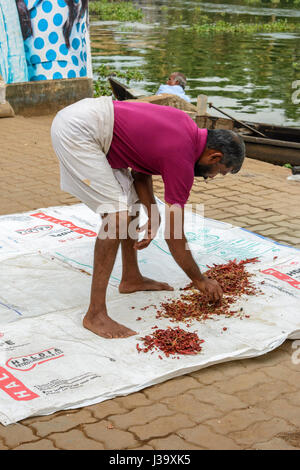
[[106, 10], [221, 26], [101, 85], [271, 3]]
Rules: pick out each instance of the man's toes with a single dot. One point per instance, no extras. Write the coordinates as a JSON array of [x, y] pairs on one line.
[[128, 334], [123, 334], [107, 335]]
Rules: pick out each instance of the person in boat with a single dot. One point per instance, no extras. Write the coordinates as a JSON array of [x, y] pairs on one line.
[[175, 85], [97, 142]]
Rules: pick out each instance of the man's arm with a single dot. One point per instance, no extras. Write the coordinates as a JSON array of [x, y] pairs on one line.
[[144, 188], [177, 244]]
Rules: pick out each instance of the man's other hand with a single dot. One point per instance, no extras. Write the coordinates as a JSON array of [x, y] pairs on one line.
[[150, 228]]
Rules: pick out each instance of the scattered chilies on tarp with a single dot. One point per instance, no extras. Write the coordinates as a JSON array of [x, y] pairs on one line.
[[171, 341], [193, 305], [234, 281]]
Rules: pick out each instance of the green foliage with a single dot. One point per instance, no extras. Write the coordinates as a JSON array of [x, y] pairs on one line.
[[223, 22], [270, 3], [101, 88], [101, 85], [106, 10], [245, 28], [287, 165]]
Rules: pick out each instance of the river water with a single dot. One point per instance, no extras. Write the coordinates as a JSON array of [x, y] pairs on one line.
[[251, 76]]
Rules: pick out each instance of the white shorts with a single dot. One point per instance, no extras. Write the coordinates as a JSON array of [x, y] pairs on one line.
[[81, 136]]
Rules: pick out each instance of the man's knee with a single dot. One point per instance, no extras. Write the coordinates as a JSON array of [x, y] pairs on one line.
[[114, 225]]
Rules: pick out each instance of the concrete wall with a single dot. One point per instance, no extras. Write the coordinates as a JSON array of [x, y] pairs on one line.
[[47, 96]]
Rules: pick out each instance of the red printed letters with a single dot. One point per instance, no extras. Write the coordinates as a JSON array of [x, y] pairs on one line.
[[14, 387]]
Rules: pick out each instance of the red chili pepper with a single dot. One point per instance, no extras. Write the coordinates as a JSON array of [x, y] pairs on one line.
[[234, 281], [147, 306], [173, 341]]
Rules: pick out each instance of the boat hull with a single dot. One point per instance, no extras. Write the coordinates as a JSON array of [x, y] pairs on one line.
[[284, 149], [272, 152]]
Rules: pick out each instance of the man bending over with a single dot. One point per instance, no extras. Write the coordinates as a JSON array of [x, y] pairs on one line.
[[97, 141]]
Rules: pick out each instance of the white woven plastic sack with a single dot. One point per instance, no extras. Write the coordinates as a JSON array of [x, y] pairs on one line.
[[49, 362]]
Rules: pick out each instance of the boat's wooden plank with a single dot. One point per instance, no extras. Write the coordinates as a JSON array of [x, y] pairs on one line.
[[268, 150], [272, 154], [276, 129], [121, 91], [271, 142], [211, 122]]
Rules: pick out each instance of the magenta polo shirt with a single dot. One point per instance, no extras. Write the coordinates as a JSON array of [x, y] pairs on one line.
[[157, 140]]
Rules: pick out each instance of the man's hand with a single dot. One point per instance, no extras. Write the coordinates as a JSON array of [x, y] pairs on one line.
[[209, 287], [183, 256], [144, 188], [150, 227]]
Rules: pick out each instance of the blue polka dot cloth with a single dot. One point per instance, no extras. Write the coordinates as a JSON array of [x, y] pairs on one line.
[[47, 54]]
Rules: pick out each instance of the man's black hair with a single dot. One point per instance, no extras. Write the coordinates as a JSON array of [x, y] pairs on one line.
[[230, 144]]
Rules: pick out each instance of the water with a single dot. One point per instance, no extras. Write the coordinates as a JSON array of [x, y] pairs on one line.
[[249, 76]]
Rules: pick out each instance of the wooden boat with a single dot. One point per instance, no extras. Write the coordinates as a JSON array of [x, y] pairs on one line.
[[279, 146], [121, 91]]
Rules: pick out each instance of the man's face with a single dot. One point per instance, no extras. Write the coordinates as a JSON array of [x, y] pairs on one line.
[[211, 170], [172, 80]]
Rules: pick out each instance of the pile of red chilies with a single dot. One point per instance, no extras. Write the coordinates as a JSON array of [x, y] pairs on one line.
[[234, 281], [171, 341]]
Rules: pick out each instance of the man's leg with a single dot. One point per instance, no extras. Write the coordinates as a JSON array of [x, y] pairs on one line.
[[132, 279], [97, 319]]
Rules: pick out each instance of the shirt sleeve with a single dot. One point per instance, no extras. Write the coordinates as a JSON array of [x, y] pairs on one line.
[[160, 90], [178, 181]]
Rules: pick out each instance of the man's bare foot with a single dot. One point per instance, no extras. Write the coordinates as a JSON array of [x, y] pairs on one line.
[[103, 325], [144, 283]]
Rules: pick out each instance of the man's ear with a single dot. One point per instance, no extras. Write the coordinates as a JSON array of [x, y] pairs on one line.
[[214, 156]]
